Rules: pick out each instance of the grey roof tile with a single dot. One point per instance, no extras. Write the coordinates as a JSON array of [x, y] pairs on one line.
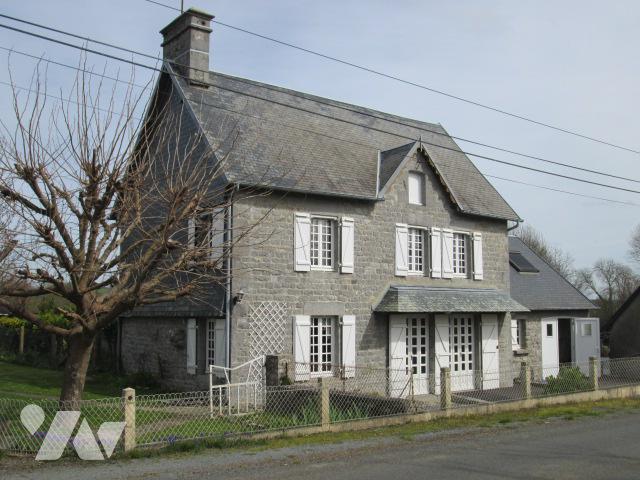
[[416, 299], [545, 290], [295, 141]]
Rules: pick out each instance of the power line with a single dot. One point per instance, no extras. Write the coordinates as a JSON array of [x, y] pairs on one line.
[[66, 65], [457, 150], [329, 103], [415, 84], [562, 191]]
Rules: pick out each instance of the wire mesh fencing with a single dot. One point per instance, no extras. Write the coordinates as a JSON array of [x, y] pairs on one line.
[[310, 396]]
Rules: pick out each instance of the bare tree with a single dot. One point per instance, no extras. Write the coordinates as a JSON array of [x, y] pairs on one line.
[[634, 245], [103, 206], [611, 282], [560, 260]]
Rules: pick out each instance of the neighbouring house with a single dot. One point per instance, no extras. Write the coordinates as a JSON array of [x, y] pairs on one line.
[[382, 244], [624, 338], [559, 327]]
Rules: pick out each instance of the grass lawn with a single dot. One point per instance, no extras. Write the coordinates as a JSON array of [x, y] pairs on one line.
[[20, 381]]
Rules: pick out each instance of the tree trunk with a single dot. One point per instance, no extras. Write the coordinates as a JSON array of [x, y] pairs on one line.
[[75, 370]]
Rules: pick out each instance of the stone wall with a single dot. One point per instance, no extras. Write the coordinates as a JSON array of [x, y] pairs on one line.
[[263, 266]]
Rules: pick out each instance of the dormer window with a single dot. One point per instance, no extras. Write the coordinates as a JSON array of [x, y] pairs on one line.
[[416, 188]]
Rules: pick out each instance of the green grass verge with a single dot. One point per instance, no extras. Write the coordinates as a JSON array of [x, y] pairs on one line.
[[20, 381], [406, 431]]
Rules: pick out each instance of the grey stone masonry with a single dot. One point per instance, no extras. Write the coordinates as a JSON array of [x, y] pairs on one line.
[[264, 264]]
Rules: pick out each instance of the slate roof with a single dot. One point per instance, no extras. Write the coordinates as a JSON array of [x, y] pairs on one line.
[[414, 299], [635, 296], [288, 140], [545, 290]]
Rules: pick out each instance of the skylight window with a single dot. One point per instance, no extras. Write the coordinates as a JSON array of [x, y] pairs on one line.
[[521, 264]]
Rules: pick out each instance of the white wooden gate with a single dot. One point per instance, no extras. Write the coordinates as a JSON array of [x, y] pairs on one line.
[[490, 353]]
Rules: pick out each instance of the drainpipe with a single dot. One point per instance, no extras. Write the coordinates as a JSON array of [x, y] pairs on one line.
[[518, 222], [229, 266]]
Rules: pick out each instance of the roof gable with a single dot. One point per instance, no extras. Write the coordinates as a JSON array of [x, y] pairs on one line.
[[283, 139], [546, 289]]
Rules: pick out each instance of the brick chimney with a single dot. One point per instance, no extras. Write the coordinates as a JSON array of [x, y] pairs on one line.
[[186, 45]]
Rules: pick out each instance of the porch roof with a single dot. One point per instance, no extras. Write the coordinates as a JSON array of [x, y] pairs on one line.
[[416, 299]]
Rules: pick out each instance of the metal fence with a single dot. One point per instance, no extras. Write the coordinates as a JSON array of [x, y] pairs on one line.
[[312, 398]]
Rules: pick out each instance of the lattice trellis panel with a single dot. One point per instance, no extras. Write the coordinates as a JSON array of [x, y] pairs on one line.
[[267, 322]]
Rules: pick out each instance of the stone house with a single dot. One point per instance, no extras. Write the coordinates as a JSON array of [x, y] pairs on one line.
[[559, 326], [382, 245], [624, 338]]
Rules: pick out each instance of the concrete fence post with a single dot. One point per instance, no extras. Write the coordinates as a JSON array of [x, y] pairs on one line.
[[525, 374], [593, 373], [325, 418], [445, 388], [129, 406]]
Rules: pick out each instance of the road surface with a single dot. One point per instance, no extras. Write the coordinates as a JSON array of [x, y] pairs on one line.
[[606, 447]]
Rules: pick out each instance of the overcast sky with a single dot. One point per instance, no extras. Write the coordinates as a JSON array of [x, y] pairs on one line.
[[574, 64]]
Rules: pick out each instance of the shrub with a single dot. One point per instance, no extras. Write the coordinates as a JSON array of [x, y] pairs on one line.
[[569, 379]]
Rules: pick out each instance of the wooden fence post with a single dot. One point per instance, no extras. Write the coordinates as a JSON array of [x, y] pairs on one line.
[[21, 341], [593, 373], [445, 388], [129, 405], [325, 418]]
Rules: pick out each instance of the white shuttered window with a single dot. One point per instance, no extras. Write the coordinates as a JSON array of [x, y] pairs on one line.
[[416, 249], [416, 188]]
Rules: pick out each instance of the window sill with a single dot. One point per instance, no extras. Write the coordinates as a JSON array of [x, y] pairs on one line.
[[322, 269], [520, 352]]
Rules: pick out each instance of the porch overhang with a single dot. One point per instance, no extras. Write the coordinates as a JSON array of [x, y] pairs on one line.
[[417, 299]]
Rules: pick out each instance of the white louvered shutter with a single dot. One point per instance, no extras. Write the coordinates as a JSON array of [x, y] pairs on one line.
[[442, 349], [402, 249], [447, 253], [398, 372], [347, 241], [219, 344], [490, 359], [302, 242], [301, 341], [191, 233], [514, 335], [436, 253], [477, 256], [216, 235], [348, 346], [192, 329]]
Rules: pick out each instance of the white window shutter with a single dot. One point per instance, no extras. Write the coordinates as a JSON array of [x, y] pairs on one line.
[[301, 341], [477, 256], [402, 249], [191, 233], [442, 350], [217, 235], [447, 253], [348, 346], [302, 242], [192, 329], [490, 354], [219, 344], [436, 253], [398, 372], [514, 335], [347, 240]]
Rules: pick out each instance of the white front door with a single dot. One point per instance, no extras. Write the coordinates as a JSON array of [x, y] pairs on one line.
[[408, 355], [462, 352], [586, 341], [550, 347]]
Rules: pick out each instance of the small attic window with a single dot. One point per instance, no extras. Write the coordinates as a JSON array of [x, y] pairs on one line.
[[521, 264], [416, 188]]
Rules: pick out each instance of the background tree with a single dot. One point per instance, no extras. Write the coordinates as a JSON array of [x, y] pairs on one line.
[[560, 260], [100, 204], [611, 282], [634, 245]]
